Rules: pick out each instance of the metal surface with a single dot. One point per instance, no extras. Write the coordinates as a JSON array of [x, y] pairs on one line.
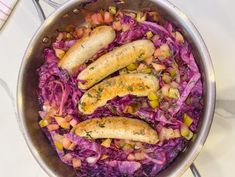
[[52, 3], [194, 171], [27, 82], [39, 10]]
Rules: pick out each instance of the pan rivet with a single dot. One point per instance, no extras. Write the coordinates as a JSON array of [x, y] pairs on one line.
[[45, 40], [75, 11]]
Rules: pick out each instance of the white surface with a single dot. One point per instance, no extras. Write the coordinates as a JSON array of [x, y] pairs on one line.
[[6, 7], [215, 21]]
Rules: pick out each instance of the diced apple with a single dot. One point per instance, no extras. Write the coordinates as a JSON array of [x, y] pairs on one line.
[[117, 25], [66, 143], [73, 122], [139, 156], [112, 10], [59, 53], [178, 37], [165, 90], [158, 67], [76, 162], [103, 157], [53, 127], [62, 122], [106, 143], [131, 157]]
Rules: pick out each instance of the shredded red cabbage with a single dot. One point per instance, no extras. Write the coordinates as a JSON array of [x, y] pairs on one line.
[[59, 96]]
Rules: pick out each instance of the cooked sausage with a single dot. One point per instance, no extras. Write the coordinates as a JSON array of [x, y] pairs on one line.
[[134, 84], [118, 128], [115, 60], [86, 47]]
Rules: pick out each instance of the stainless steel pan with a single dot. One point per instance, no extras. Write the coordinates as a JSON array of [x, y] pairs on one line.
[[69, 12]]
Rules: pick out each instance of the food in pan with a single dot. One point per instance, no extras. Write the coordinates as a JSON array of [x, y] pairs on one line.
[[122, 85], [115, 60], [121, 95], [118, 128], [86, 47]]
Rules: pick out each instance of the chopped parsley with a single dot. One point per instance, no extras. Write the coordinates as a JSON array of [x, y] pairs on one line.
[[83, 104], [107, 83], [89, 95], [141, 87], [100, 89], [102, 125], [130, 88], [88, 134], [114, 110], [174, 105], [99, 92]]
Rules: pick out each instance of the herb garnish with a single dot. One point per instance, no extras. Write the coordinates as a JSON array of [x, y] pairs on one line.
[[107, 83], [100, 90], [88, 134], [102, 125], [83, 104], [130, 88], [89, 95]]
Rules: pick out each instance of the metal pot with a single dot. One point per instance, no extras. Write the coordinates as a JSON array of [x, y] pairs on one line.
[[68, 13]]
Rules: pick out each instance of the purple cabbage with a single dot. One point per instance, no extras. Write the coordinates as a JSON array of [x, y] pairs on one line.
[[126, 167], [155, 28], [64, 45], [185, 93], [56, 87], [188, 58], [59, 90]]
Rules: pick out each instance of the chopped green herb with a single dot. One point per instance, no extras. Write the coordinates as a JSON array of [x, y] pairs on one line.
[[113, 110], [92, 68], [141, 55], [102, 125], [122, 84], [130, 88], [83, 104], [89, 95], [100, 90], [88, 134], [141, 87], [107, 83], [173, 105]]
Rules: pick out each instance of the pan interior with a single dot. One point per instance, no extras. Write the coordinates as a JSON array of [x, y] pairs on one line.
[[74, 12]]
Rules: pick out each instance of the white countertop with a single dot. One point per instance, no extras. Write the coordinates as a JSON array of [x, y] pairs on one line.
[[213, 18]]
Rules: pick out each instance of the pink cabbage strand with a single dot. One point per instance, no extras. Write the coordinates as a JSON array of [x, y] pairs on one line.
[[126, 167], [192, 82], [155, 28], [188, 58]]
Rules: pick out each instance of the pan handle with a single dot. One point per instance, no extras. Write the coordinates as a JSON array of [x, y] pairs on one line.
[[39, 9], [195, 171]]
